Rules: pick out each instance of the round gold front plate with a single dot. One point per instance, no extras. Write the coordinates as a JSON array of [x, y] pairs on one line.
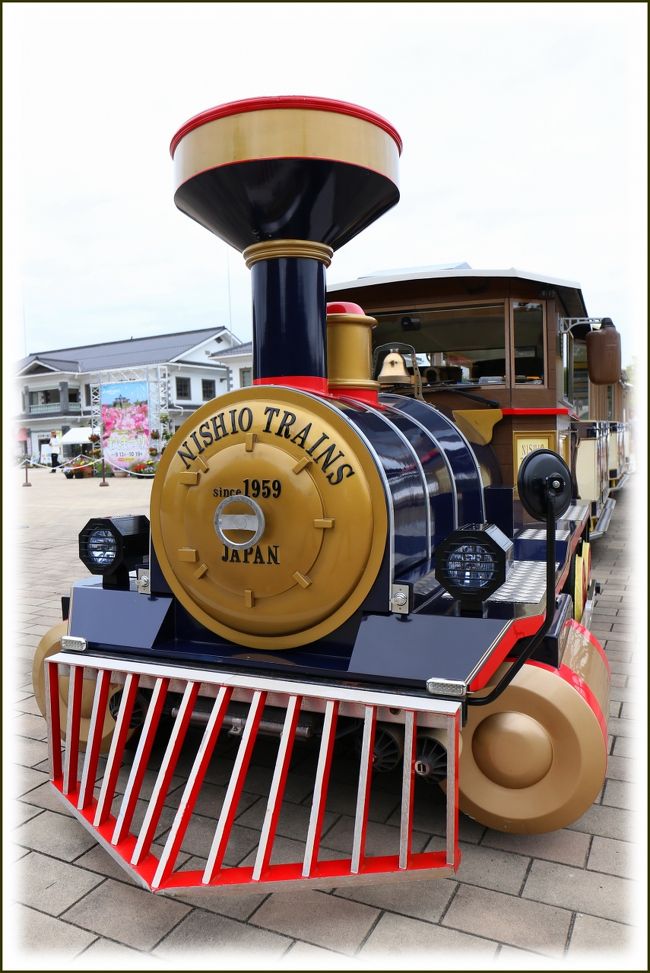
[[268, 517]]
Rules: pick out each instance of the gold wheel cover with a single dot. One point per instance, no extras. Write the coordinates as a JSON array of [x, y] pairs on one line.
[[292, 561], [534, 760], [48, 645]]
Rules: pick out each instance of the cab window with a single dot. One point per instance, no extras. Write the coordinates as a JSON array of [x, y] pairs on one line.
[[580, 380], [456, 345], [528, 341]]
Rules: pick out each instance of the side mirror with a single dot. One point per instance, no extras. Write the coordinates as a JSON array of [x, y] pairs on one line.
[[604, 354], [544, 484]]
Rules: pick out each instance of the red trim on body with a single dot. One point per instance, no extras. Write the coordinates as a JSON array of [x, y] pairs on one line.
[[369, 396], [520, 628], [284, 101], [535, 412], [306, 383]]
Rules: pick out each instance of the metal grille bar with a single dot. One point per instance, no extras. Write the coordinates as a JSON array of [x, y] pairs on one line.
[[92, 800]]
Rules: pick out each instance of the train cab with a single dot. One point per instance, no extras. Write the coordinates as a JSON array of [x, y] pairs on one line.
[[505, 354]]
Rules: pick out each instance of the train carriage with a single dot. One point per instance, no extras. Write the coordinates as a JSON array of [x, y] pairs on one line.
[[328, 557]]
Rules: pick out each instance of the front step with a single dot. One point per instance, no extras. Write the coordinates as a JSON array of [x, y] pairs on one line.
[[94, 800]]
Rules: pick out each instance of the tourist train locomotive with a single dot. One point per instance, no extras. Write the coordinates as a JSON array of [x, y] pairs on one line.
[[326, 559]]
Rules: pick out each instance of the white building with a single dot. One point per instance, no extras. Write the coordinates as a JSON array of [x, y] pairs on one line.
[[57, 389]]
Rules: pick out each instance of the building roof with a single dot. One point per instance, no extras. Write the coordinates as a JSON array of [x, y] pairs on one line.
[[239, 351], [126, 353]]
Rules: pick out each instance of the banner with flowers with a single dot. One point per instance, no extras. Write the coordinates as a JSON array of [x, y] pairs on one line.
[[125, 423]]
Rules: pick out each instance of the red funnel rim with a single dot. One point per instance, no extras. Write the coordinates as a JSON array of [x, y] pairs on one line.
[[284, 101]]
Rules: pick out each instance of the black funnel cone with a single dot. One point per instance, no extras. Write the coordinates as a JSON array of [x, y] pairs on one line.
[[286, 168]]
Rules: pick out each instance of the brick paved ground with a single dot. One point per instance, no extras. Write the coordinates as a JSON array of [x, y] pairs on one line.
[[517, 901]]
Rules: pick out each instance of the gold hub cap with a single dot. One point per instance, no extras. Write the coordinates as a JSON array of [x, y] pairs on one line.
[[512, 749]]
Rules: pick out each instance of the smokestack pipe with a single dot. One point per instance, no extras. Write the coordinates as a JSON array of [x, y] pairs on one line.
[[287, 181]]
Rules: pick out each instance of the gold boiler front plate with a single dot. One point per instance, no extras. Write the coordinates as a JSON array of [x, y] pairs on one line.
[[268, 517]]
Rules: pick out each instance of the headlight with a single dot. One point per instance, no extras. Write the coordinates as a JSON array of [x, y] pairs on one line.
[[112, 546], [472, 562], [101, 547], [471, 566]]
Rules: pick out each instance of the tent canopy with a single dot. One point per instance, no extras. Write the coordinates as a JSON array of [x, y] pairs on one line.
[[77, 436]]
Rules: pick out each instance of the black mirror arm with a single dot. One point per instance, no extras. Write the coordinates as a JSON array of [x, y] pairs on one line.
[[551, 490]]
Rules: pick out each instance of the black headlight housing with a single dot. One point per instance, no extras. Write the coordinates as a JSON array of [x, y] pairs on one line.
[[113, 546], [472, 563]]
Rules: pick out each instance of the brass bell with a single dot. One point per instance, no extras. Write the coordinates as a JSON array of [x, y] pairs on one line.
[[393, 370]]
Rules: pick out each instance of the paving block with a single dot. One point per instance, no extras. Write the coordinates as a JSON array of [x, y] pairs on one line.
[[200, 834], [509, 920], [28, 752], [317, 918], [568, 847], [42, 936], [28, 705], [624, 728], [623, 694], [28, 725], [429, 815], [626, 747], [127, 914], [231, 904], [112, 955], [591, 892], [204, 931], [418, 942], [22, 780], [18, 813], [50, 885], [45, 796], [602, 936], [609, 822], [381, 839], [305, 953], [292, 823], [614, 857], [342, 799], [490, 868], [618, 793], [621, 768], [514, 956], [419, 900], [54, 834]]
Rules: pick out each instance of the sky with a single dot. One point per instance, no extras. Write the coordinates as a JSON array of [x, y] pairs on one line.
[[524, 129]]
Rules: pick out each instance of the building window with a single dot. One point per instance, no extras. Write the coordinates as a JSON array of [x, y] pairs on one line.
[[87, 400], [183, 388], [528, 330], [245, 377], [73, 395], [207, 388]]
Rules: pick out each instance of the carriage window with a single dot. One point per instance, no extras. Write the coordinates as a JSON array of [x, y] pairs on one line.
[[454, 345], [528, 328]]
